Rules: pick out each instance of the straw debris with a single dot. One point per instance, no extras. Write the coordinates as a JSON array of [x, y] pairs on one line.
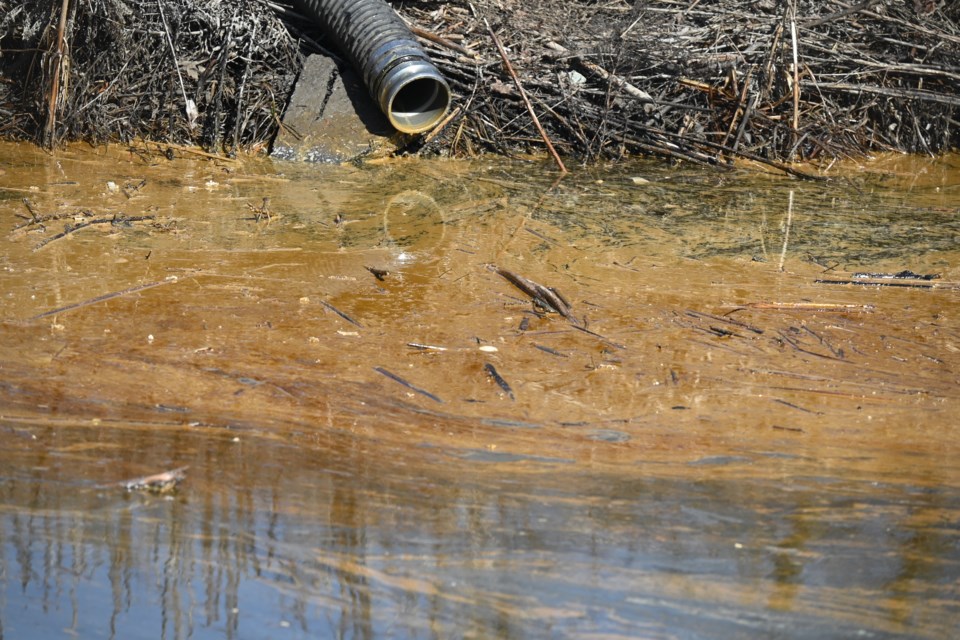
[[182, 71], [696, 80]]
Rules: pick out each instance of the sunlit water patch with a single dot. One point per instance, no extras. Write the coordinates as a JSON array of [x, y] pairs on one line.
[[455, 399]]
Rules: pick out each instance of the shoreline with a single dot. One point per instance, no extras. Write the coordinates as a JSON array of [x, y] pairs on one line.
[[767, 82]]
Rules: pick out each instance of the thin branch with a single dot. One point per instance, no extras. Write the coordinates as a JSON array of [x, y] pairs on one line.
[[523, 95]]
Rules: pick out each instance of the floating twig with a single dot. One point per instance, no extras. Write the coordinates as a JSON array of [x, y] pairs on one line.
[[906, 274], [262, 212], [35, 218], [806, 306], [540, 235], [379, 274], [129, 190], [408, 385], [546, 297], [793, 429], [425, 347], [890, 283]]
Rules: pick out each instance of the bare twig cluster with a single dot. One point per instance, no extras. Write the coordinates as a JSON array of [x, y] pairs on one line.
[[185, 71], [697, 80], [705, 80]]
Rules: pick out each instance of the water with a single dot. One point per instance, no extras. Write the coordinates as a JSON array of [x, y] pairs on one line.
[[722, 441]]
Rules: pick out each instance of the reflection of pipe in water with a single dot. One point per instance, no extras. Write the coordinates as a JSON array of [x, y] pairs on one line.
[[413, 221], [397, 72]]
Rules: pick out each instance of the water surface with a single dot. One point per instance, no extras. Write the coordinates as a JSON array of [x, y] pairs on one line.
[[733, 434]]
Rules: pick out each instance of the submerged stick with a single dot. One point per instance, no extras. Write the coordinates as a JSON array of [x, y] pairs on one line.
[[530, 212], [807, 306], [607, 340], [547, 297], [341, 314], [796, 345], [550, 350], [103, 298], [72, 228], [492, 372], [408, 385], [737, 323]]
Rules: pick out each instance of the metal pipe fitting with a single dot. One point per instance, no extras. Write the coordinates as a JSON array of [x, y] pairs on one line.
[[410, 90]]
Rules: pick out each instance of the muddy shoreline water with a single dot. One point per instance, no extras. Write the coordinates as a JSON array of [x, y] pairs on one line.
[[722, 442]]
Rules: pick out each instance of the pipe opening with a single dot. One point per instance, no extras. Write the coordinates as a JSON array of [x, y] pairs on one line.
[[418, 105]]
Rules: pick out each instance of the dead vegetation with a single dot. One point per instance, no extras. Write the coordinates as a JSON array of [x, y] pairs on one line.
[[183, 71], [697, 80]]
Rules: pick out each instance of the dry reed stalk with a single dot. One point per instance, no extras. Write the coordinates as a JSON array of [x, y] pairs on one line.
[[526, 100]]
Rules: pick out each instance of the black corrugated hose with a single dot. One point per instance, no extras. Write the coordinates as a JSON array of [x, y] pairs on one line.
[[396, 70]]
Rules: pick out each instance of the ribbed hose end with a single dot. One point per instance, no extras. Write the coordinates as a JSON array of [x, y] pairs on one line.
[[414, 96], [409, 89]]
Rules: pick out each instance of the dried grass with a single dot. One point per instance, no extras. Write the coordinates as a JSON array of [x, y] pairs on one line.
[[699, 80]]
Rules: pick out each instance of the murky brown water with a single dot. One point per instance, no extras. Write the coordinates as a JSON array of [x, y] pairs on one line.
[[720, 442]]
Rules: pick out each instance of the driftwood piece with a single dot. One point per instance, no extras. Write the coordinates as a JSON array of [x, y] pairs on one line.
[[164, 482], [547, 298]]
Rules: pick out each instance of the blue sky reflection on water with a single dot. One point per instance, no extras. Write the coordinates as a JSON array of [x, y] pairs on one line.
[[515, 557]]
